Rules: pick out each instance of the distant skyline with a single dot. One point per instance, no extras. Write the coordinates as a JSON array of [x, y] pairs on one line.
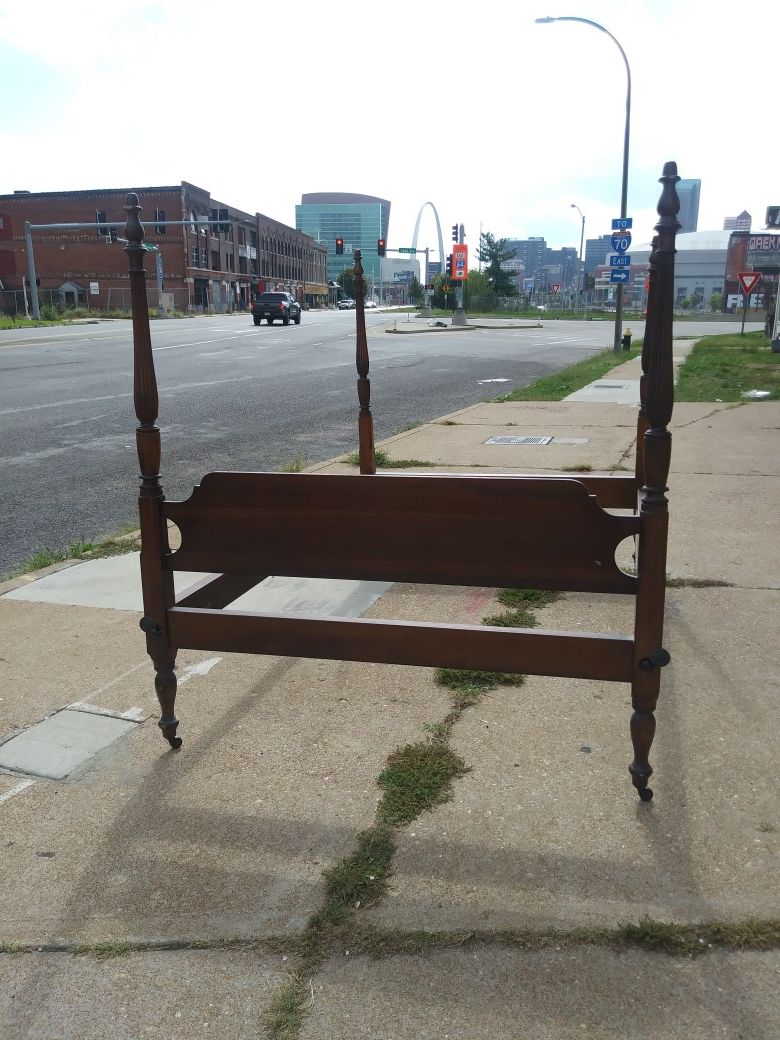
[[500, 122]]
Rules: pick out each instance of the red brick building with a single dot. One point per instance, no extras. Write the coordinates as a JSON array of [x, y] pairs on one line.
[[205, 266]]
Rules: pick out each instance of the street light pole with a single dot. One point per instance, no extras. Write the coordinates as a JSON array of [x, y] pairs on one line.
[[626, 135], [579, 262]]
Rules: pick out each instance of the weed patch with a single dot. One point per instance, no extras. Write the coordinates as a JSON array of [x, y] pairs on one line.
[[512, 619], [383, 461], [416, 778], [524, 598]]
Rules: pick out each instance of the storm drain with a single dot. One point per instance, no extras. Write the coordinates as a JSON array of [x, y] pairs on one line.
[[58, 745], [518, 440]]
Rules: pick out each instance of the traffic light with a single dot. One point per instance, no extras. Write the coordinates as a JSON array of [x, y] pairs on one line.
[[380, 247], [339, 246], [454, 232], [449, 266]]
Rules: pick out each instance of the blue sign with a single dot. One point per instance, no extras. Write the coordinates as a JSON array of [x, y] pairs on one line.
[[620, 241], [619, 276], [620, 261], [621, 223]]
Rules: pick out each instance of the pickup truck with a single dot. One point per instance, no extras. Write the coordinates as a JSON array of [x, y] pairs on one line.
[[272, 305]]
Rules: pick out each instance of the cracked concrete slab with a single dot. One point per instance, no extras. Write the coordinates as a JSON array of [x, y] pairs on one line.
[[498, 993]]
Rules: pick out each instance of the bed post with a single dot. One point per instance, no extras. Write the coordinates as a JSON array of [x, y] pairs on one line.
[[158, 591], [647, 348], [365, 419], [649, 654]]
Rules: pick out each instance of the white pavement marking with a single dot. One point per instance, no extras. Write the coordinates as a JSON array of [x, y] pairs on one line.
[[201, 668], [21, 786], [201, 342], [131, 715]]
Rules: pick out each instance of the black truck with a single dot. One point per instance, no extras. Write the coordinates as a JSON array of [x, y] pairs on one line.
[[272, 305]]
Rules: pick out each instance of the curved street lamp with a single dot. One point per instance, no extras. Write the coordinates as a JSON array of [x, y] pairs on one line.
[[626, 135], [579, 262]]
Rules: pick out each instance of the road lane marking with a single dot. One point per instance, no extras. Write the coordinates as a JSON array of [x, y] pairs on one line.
[[21, 786]]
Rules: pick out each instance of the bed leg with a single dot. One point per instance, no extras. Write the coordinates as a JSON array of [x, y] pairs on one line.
[[642, 733], [165, 685]]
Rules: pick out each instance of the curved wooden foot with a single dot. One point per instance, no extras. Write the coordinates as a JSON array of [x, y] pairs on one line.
[[165, 685], [642, 733]]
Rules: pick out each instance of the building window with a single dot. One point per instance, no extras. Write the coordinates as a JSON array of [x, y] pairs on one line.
[[159, 221], [100, 221], [215, 260], [242, 265], [242, 236], [214, 224], [194, 254]]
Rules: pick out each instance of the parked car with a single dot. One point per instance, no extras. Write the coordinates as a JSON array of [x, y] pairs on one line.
[[371, 303], [346, 304], [273, 305]]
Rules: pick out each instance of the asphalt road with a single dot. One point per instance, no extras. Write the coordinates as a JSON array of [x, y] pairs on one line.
[[232, 396]]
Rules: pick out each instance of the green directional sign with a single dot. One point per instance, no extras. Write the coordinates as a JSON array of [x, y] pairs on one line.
[[406, 249]]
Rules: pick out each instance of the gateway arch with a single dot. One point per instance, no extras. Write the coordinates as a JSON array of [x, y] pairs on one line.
[[438, 232]]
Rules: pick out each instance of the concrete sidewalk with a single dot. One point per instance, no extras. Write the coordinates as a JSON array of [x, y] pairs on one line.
[[204, 868]]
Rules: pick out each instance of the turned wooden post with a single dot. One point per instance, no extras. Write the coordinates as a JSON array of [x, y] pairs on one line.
[[365, 419], [650, 656], [647, 348], [157, 584]]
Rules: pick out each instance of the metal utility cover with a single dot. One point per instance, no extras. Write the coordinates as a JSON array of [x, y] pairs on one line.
[[518, 440], [61, 743]]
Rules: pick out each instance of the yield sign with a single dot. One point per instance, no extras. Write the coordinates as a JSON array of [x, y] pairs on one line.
[[556, 287], [749, 280]]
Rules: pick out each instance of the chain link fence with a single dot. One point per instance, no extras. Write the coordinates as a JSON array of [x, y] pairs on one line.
[[54, 303]]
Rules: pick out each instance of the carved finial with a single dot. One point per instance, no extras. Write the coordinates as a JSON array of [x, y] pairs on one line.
[[668, 204], [134, 229]]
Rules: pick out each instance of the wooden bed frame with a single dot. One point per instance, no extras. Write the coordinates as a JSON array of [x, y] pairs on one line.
[[541, 532]]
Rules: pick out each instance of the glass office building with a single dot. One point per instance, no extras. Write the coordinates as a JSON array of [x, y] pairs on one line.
[[357, 219]]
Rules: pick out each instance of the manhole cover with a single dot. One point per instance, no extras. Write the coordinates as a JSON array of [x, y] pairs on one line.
[[518, 440]]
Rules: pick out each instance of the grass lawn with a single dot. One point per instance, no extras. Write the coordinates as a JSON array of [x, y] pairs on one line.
[[560, 384], [722, 368]]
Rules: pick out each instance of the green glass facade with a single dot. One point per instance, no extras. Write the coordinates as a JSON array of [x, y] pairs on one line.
[[360, 224]]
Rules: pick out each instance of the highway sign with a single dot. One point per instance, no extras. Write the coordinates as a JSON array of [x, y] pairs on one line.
[[749, 280], [406, 249], [620, 241], [619, 275], [621, 223], [620, 261], [460, 259]]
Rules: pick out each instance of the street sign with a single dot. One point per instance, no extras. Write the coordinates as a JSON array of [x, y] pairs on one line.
[[749, 280], [556, 286], [621, 223], [620, 275], [620, 241], [528, 285], [406, 249], [620, 261], [460, 260]]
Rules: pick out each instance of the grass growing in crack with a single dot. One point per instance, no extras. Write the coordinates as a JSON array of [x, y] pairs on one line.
[[583, 467], [416, 778], [293, 465], [466, 681], [383, 461], [524, 598], [357, 880], [81, 550], [512, 619], [284, 1017]]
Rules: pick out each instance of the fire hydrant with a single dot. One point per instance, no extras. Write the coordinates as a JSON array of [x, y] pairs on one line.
[[626, 340]]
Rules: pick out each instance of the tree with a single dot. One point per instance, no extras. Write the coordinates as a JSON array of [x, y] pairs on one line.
[[479, 291], [492, 253], [716, 301], [346, 280], [416, 292]]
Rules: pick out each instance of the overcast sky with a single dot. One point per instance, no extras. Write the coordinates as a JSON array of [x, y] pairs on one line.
[[499, 122]]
